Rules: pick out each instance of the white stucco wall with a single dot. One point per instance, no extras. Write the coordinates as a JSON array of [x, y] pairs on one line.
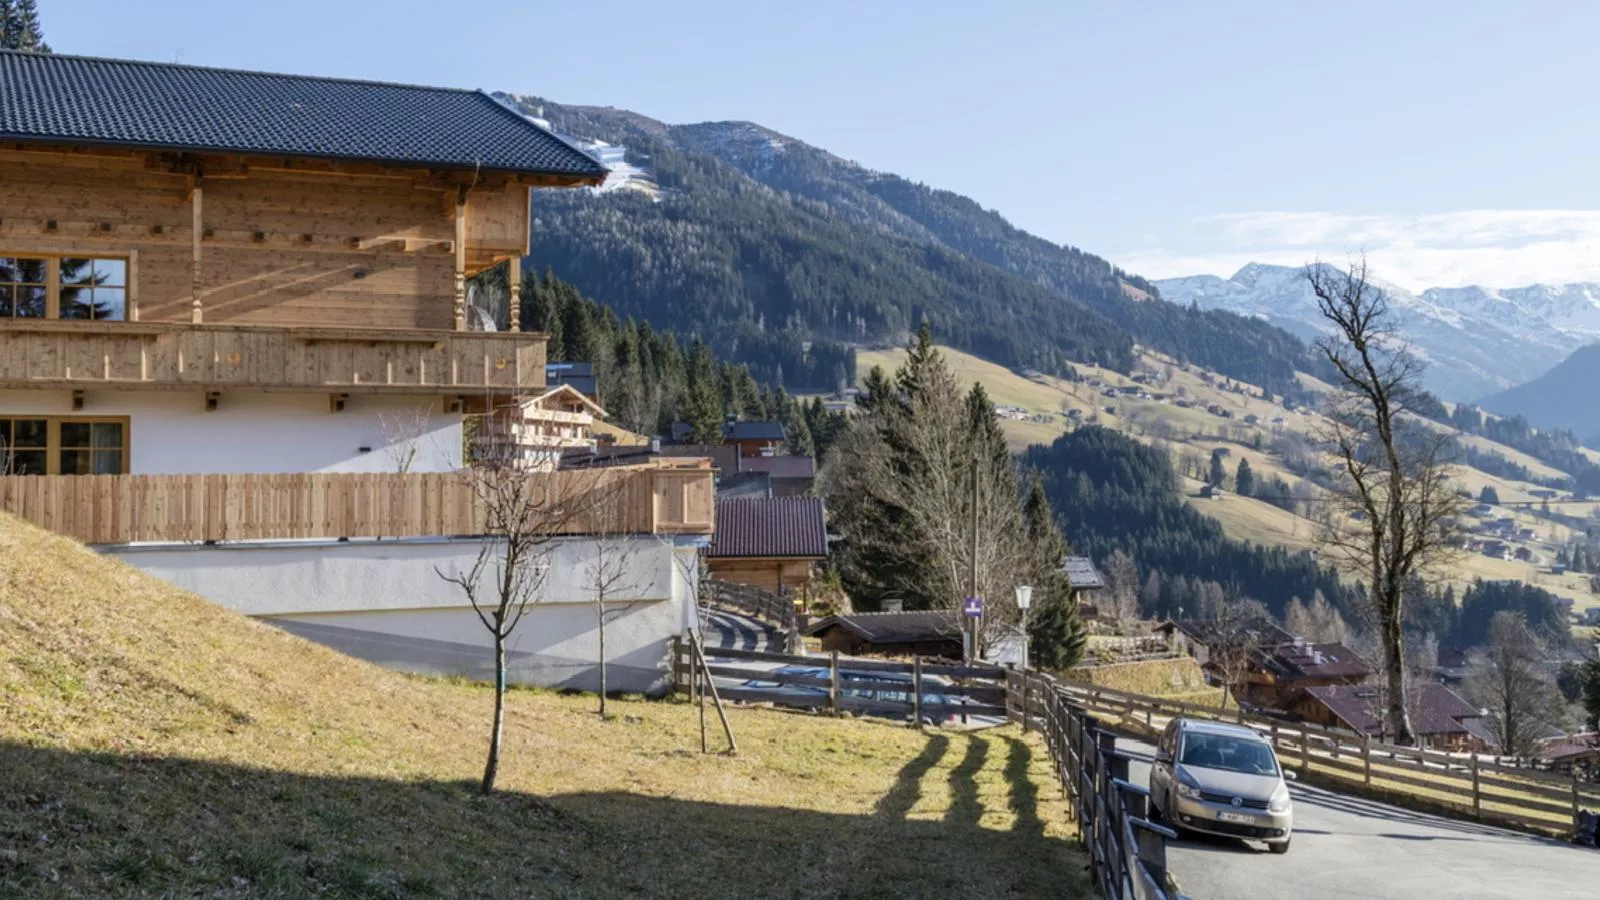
[[385, 601], [256, 432]]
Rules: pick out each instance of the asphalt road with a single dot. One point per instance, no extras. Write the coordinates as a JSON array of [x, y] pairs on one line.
[[1349, 847]]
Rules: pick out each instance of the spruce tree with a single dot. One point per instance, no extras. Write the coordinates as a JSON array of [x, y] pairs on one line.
[[1056, 635], [1244, 481], [29, 34], [10, 26], [1217, 474]]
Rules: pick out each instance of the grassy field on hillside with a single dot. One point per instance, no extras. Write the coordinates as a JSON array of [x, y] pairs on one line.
[[153, 744]]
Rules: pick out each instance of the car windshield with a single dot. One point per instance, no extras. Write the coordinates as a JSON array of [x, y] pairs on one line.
[[1232, 754]]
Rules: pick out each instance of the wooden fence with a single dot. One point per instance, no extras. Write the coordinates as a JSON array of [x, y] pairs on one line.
[[1460, 784], [118, 509], [915, 691], [771, 608], [1127, 851]]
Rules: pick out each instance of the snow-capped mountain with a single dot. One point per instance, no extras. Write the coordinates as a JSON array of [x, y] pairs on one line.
[[1477, 341]]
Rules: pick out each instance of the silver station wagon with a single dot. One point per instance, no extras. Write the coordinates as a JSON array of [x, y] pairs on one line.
[[1221, 779]]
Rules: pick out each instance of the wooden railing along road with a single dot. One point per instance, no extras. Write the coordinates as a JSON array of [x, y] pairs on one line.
[[120, 509], [775, 610], [1458, 784]]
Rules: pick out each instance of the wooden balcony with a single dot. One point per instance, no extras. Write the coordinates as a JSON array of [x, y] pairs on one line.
[[38, 353], [121, 509]]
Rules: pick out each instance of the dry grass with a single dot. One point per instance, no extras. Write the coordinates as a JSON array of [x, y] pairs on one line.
[[1150, 678], [154, 744]]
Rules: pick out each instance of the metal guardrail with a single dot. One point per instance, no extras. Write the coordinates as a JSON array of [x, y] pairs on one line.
[[1128, 852]]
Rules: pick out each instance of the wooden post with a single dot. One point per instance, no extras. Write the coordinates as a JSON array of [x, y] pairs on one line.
[[197, 227], [514, 291], [711, 688], [132, 288], [1305, 750], [1576, 800], [1366, 758], [1027, 718], [461, 259], [1477, 796], [833, 682], [916, 692]]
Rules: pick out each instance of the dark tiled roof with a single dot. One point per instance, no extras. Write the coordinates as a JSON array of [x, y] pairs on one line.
[[744, 484], [1082, 574], [780, 466], [753, 431], [1435, 710], [1204, 631], [723, 456], [769, 526], [896, 627], [1309, 660], [125, 103]]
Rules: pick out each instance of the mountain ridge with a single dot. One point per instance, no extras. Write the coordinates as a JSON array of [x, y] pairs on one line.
[[1478, 341], [1559, 397]]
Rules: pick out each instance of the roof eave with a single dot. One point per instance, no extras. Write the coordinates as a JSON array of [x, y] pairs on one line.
[[559, 178]]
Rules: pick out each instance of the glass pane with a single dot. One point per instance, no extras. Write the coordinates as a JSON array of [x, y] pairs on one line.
[[28, 462], [31, 432], [5, 432], [110, 272], [75, 462], [8, 268], [108, 434], [109, 303], [30, 301], [75, 303], [75, 434], [107, 462], [30, 270], [7, 292], [77, 272]]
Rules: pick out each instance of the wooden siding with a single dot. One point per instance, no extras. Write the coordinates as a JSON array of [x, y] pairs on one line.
[[119, 509], [278, 247], [87, 355], [775, 575]]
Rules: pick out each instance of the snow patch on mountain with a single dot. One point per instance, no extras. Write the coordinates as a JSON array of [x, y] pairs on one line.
[[1476, 340]]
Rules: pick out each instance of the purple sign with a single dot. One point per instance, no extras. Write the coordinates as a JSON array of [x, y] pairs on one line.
[[972, 607]]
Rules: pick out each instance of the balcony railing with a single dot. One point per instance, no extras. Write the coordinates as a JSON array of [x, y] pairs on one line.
[[121, 509], [87, 355]]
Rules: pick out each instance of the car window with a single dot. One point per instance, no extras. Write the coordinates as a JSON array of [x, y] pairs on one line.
[[1232, 754]]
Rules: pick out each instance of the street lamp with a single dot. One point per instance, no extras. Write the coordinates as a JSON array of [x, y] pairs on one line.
[[1024, 600]]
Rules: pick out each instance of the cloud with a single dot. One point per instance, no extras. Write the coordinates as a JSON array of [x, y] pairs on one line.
[[1490, 247]]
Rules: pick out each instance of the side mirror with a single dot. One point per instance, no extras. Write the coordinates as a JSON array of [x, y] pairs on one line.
[[1291, 774], [1163, 756]]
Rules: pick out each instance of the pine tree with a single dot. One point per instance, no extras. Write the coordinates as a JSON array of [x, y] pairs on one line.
[[1489, 495], [1056, 635], [29, 34], [1217, 474], [1244, 481], [10, 26]]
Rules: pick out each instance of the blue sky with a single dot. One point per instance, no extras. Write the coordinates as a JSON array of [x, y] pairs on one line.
[[1454, 142]]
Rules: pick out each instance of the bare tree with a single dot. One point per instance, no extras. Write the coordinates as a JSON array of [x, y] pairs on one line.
[[403, 432], [1507, 677], [609, 574], [523, 514], [1317, 621], [1122, 578], [1235, 633], [1393, 507]]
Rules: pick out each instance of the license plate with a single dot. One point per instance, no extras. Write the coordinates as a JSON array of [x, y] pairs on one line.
[[1240, 818]]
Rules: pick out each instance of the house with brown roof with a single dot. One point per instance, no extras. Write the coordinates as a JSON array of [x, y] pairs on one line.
[[773, 543], [1441, 719], [1276, 674], [930, 632]]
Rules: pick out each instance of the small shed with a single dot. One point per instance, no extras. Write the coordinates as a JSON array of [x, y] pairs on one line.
[[934, 632], [773, 543]]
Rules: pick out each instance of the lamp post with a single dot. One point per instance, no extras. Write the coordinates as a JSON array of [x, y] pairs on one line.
[[1024, 601]]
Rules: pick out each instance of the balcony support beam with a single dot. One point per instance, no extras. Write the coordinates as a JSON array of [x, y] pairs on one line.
[[514, 290], [197, 240], [461, 259]]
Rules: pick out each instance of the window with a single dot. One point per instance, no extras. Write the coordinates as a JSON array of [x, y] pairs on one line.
[[63, 287], [50, 445]]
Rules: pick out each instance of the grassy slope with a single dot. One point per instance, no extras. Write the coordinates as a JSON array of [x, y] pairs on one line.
[[1241, 517], [152, 743]]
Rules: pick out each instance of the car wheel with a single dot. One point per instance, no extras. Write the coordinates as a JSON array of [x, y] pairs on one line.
[[1279, 846]]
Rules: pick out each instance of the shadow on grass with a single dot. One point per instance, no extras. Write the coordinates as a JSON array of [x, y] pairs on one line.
[[1024, 800], [965, 808], [105, 825]]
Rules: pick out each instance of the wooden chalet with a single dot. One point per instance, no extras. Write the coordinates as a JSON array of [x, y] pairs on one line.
[[773, 543]]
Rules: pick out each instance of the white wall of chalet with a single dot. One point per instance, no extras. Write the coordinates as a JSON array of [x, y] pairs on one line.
[[171, 433]]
